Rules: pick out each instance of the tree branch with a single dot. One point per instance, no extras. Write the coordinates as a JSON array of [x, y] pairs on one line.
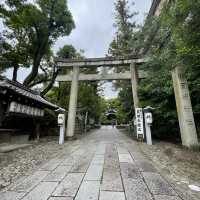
[[50, 85]]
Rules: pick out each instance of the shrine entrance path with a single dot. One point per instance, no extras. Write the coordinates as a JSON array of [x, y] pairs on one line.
[[103, 165]]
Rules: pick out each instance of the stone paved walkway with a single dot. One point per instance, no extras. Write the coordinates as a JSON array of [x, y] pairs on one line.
[[105, 165]]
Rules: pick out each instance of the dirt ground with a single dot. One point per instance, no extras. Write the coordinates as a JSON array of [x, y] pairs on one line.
[[177, 164]]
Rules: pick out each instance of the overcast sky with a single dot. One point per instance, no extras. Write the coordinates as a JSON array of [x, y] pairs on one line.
[[94, 30], [94, 21]]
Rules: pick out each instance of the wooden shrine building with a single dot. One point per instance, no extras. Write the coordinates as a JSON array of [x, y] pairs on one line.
[[20, 108]]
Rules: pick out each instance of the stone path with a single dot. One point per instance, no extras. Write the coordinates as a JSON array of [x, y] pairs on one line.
[[105, 165]]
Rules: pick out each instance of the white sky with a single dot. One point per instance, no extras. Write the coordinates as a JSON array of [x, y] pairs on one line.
[[94, 31]]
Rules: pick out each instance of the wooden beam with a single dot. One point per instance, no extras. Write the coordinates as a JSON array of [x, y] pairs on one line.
[[98, 62]]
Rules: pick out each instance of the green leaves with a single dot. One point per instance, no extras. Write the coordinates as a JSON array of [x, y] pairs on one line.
[[35, 26]]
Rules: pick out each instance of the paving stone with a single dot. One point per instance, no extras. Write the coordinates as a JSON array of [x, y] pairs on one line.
[[157, 185], [98, 159], [130, 171], [42, 192], [136, 189], [125, 158], [111, 157], [69, 186], [58, 174], [71, 160], [30, 182], [122, 150], [101, 150], [164, 197], [89, 190], [105, 195], [146, 166], [10, 195], [137, 156], [82, 164], [60, 198], [51, 165], [79, 152], [94, 173], [111, 164], [111, 181]]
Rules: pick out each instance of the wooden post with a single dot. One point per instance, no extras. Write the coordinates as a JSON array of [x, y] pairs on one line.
[[134, 83], [2, 115], [86, 119], [37, 130], [184, 108]]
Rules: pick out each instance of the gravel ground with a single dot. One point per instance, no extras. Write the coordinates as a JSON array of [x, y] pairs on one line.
[[19, 163], [180, 165]]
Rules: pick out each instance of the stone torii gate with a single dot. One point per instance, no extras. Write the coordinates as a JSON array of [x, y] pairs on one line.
[[76, 76], [182, 95]]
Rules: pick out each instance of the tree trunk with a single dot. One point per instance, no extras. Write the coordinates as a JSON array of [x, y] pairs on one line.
[[36, 62], [34, 71], [50, 85]]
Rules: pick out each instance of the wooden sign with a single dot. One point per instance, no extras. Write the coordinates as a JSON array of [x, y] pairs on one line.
[[140, 123], [24, 109]]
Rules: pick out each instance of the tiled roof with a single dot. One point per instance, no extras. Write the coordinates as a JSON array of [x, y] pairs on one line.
[[25, 92]]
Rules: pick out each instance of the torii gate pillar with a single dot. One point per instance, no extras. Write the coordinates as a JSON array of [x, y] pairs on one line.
[[134, 83], [184, 108], [73, 104]]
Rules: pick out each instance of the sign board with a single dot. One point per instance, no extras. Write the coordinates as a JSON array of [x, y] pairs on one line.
[[61, 119], [149, 118], [24, 109], [140, 123]]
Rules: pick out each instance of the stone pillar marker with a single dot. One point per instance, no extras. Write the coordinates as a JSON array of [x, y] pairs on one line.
[[73, 104], [184, 108], [134, 83]]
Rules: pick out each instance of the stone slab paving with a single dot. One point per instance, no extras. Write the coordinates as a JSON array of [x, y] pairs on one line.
[[130, 171], [69, 186], [82, 164], [164, 197], [112, 181], [126, 158], [105, 195], [98, 159], [11, 195], [94, 173], [41, 191], [60, 198], [51, 165], [30, 182], [104, 165], [89, 190], [58, 174]]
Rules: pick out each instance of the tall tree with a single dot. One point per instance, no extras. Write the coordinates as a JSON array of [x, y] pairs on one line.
[[42, 23], [125, 28], [123, 45]]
